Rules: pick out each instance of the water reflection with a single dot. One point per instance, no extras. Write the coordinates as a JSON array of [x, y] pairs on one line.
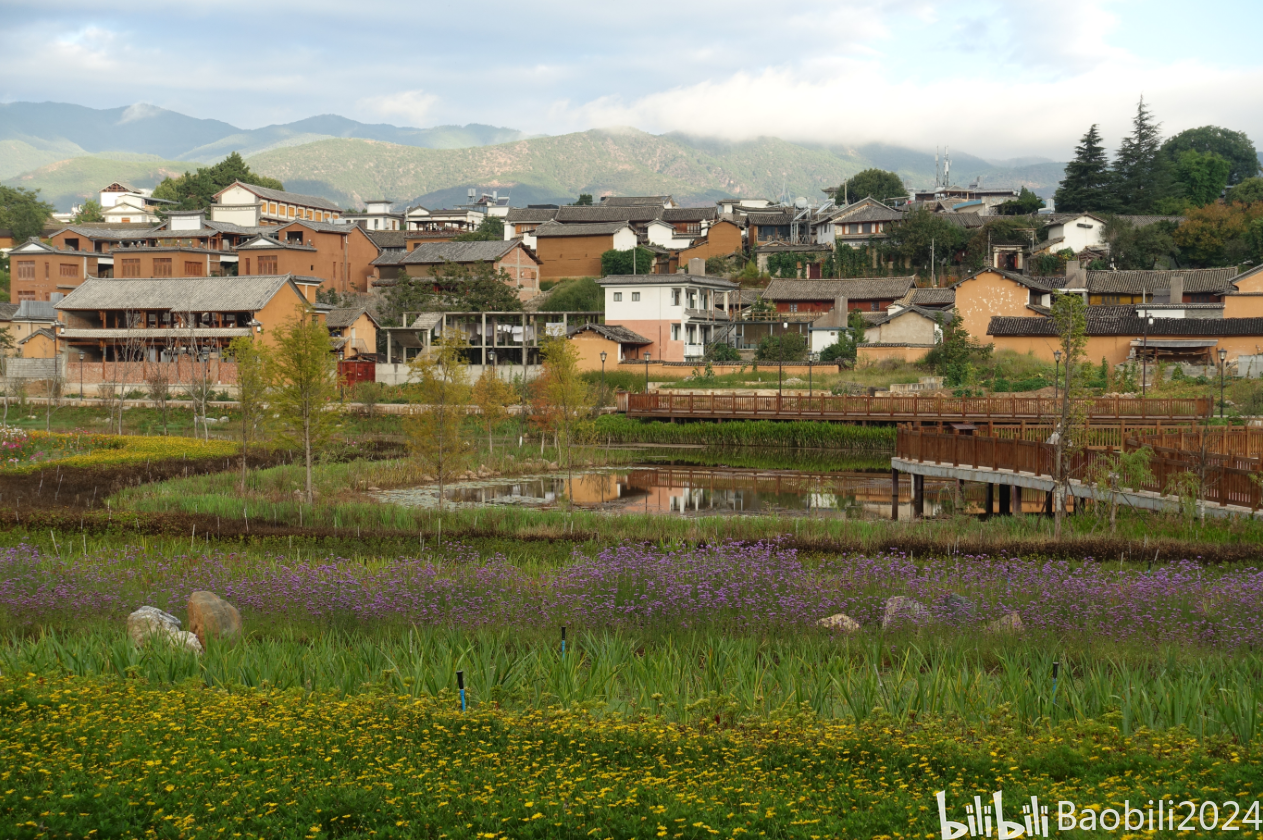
[[693, 491]]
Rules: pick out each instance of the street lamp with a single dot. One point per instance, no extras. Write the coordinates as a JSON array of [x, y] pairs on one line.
[[1223, 364], [1144, 358], [1057, 376], [647, 357], [780, 364], [80, 378], [603, 354]]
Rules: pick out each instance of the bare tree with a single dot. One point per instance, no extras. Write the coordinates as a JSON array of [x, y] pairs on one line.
[[158, 383], [200, 387], [52, 386]]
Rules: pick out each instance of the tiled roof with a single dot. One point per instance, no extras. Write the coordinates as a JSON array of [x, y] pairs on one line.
[[386, 239], [530, 214], [705, 281], [614, 333], [262, 242], [690, 214], [1196, 280], [770, 217], [871, 288], [7, 311], [436, 253], [1123, 321], [618, 213], [634, 200], [393, 256], [929, 297], [110, 233], [1041, 284], [200, 294], [341, 318], [287, 197], [555, 229]]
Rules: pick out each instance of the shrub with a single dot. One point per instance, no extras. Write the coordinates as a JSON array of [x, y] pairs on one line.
[[788, 347]]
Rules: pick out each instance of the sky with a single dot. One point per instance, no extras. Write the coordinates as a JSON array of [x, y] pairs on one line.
[[996, 78]]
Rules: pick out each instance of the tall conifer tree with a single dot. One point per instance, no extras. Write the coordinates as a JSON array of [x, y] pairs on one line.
[[1086, 185], [1141, 172]]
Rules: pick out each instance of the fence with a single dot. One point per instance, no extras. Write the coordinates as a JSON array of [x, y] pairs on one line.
[[835, 407], [1219, 478]]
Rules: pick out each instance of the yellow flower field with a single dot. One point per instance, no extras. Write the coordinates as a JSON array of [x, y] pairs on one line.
[[116, 758]]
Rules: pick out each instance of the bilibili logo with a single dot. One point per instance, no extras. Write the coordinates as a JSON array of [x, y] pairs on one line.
[[989, 821]]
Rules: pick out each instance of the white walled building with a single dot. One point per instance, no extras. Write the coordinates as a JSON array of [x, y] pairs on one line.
[[678, 313]]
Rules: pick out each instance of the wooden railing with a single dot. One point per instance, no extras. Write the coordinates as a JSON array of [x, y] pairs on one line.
[[834, 407], [1242, 443], [1224, 479]]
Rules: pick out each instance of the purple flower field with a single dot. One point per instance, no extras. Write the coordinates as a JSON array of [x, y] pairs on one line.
[[728, 587]]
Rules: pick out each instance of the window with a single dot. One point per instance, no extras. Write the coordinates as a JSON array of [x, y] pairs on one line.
[[618, 297], [793, 307], [26, 270], [273, 206], [267, 265], [876, 306], [247, 272], [675, 297], [675, 332], [692, 299], [26, 294], [129, 267], [162, 267], [291, 212], [192, 268], [635, 297]]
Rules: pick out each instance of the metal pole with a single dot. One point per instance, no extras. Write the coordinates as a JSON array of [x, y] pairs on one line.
[[1144, 361]]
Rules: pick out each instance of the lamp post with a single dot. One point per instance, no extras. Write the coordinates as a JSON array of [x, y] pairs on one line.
[[1223, 364], [1057, 376], [647, 357], [780, 364], [603, 354], [80, 378], [1144, 358]]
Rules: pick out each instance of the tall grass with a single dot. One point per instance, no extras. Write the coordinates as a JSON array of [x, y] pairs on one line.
[[797, 434], [697, 676]]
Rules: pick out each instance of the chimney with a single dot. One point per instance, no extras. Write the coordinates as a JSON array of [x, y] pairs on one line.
[[1076, 277], [697, 267], [839, 305], [1176, 294]]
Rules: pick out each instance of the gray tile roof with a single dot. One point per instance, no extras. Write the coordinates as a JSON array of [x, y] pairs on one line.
[[618, 213], [871, 288], [263, 242], [705, 281], [1123, 321], [530, 214], [690, 214], [614, 333], [1041, 284], [288, 197], [200, 294], [387, 239], [770, 217], [555, 229], [436, 253], [394, 256], [110, 233], [929, 297], [1196, 280], [7, 311], [634, 200], [343, 317]]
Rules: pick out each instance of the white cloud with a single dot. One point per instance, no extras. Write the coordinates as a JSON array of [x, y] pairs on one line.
[[139, 111], [411, 106]]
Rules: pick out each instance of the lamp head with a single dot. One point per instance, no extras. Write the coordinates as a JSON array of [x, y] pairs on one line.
[[1223, 354], [648, 356], [1057, 355], [603, 354]]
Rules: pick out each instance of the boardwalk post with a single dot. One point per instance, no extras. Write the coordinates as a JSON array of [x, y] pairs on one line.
[[918, 496], [1017, 499], [894, 495], [1006, 500], [1048, 503], [990, 507]]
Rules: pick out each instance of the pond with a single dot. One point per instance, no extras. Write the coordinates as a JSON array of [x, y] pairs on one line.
[[693, 491]]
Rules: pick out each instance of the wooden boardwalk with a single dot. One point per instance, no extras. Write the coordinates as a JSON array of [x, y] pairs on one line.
[[660, 405]]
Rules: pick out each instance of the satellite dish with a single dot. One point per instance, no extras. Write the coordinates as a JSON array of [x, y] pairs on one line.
[[800, 203]]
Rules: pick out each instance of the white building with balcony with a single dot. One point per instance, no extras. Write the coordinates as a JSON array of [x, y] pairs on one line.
[[681, 314]]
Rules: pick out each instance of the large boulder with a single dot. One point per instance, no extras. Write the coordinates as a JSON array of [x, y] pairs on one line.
[[839, 621], [149, 623], [957, 608], [904, 610], [212, 617], [1007, 623]]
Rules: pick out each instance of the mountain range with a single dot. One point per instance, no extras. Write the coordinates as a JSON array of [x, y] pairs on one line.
[[70, 151]]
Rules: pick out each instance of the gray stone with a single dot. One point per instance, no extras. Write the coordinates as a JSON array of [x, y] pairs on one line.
[[147, 621], [839, 621], [904, 610], [957, 608]]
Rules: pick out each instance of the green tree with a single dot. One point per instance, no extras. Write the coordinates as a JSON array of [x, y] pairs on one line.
[[786, 347], [254, 380], [435, 430], [1069, 316], [638, 260], [564, 397], [454, 287], [849, 340], [194, 190], [723, 353], [1144, 248], [578, 294], [90, 211], [1201, 176], [1233, 146], [870, 183], [1248, 191], [23, 213], [1025, 204], [490, 229], [493, 396], [1142, 174], [305, 388], [923, 234], [585, 200], [1221, 234], [957, 355], [1085, 188]]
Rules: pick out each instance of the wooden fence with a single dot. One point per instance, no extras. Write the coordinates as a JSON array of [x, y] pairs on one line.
[[1220, 478], [843, 407]]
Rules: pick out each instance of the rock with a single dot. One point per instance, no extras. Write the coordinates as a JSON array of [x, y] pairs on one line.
[[957, 608], [1007, 623], [552, 465], [212, 617], [839, 621], [903, 610], [223, 419], [148, 621], [187, 640], [372, 489]]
